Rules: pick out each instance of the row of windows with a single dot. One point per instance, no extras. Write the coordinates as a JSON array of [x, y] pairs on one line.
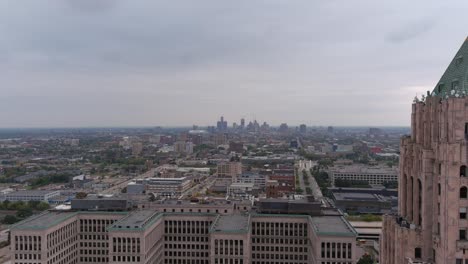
[[95, 225], [126, 258], [94, 252], [173, 210], [94, 259], [28, 256], [27, 243], [186, 261], [126, 244], [335, 262], [186, 254], [186, 246], [279, 262], [94, 237], [186, 238], [279, 248], [279, 229], [336, 250], [282, 241], [61, 253], [228, 261], [69, 255], [65, 233], [229, 247], [184, 227], [276, 256], [94, 244]]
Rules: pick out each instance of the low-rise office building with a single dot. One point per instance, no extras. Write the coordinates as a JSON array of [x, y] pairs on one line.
[[241, 190], [147, 236], [167, 187], [375, 175], [31, 195]]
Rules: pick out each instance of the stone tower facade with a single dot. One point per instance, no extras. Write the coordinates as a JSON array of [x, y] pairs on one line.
[[432, 222]]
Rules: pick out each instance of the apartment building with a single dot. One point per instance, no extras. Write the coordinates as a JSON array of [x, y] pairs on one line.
[[148, 236], [231, 170]]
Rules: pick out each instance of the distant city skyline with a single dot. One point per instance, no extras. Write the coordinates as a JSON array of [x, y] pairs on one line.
[[115, 63]]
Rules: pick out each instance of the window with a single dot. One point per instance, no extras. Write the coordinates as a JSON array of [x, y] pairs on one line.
[[417, 253], [466, 131], [462, 213], [462, 234], [463, 171], [463, 192], [455, 85]]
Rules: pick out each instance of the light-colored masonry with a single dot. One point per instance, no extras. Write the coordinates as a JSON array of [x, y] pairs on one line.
[[148, 236]]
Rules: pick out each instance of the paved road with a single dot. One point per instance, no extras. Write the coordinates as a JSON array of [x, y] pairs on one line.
[[117, 188], [307, 165], [200, 188]]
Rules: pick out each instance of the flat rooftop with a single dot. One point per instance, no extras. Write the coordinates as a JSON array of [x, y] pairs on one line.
[[44, 220], [51, 218], [31, 192], [332, 226], [137, 220], [231, 223], [356, 197], [363, 169]]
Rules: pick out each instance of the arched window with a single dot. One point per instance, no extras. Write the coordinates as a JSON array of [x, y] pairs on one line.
[[463, 171], [464, 192]]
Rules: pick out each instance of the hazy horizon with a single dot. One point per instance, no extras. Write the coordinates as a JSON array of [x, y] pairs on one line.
[[142, 63]]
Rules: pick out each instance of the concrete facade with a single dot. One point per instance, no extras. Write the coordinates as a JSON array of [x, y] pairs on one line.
[[147, 236]]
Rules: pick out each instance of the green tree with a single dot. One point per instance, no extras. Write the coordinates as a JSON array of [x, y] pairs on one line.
[[42, 206], [366, 259], [33, 204], [24, 213], [10, 219]]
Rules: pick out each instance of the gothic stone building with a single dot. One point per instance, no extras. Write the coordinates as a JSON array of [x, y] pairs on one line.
[[432, 223]]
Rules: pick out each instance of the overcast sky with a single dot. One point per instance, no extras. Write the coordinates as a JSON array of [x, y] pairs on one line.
[[72, 63]]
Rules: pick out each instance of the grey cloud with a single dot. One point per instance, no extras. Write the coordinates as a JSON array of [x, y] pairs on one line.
[[91, 6], [412, 30], [314, 62]]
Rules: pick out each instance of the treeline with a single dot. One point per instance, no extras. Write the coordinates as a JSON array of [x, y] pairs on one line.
[[23, 210], [321, 177], [390, 184], [45, 180]]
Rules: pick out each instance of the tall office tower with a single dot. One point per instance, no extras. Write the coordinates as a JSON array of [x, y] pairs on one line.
[[242, 123], [431, 225], [302, 129], [221, 125]]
